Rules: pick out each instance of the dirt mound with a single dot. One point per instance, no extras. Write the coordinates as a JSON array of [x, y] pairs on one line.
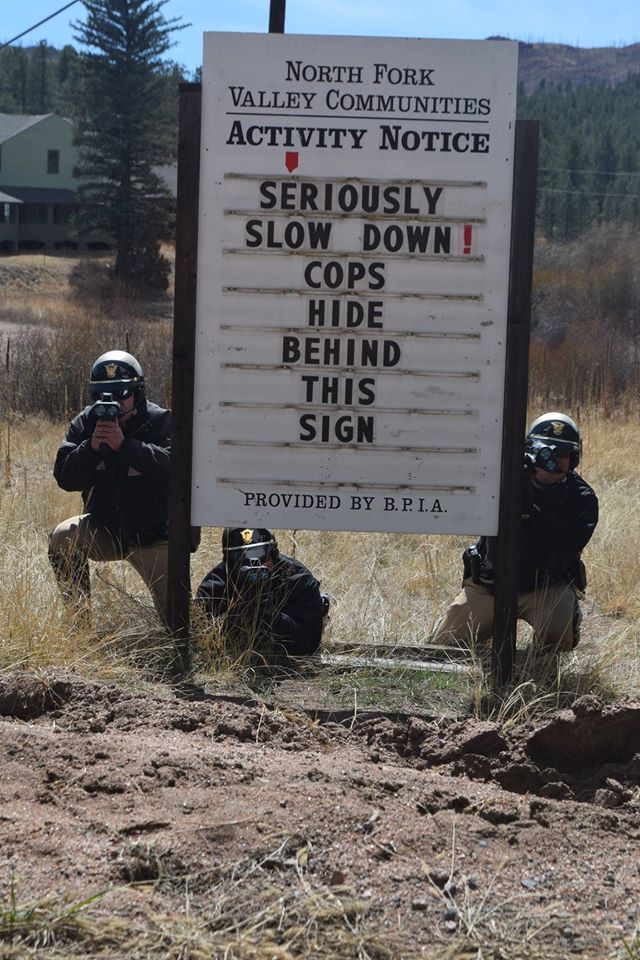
[[590, 753], [588, 735], [269, 834]]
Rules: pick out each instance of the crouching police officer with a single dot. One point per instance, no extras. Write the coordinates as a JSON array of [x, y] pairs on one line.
[[116, 452], [264, 601], [560, 513]]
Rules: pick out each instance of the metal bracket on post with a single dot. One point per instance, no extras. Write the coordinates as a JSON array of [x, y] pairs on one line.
[[515, 399], [184, 328]]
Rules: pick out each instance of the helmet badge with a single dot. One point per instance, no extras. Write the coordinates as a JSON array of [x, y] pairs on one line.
[[112, 369], [557, 427], [247, 536]]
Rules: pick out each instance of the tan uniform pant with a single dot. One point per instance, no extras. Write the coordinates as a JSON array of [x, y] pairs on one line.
[[79, 539], [552, 611]]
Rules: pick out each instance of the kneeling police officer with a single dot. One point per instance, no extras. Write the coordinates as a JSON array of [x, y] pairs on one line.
[[116, 452], [559, 516], [263, 600]]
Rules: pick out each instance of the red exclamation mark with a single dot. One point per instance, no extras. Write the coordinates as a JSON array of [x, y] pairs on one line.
[[467, 238]]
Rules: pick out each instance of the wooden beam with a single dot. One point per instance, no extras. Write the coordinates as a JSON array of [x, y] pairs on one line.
[[184, 328], [507, 547], [276, 16]]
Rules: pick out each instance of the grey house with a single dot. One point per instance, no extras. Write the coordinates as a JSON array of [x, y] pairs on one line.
[[37, 188]]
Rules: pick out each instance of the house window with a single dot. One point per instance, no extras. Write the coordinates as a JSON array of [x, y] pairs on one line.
[[9, 212], [53, 161], [33, 213], [62, 213]]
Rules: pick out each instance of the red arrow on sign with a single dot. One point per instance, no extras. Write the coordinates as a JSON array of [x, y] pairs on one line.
[[291, 160]]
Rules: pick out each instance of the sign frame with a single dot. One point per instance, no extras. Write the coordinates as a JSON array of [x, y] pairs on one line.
[[418, 449]]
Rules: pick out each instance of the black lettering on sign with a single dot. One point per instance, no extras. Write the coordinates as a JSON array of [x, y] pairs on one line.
[[409, 504], [245, 98], [407, 76], [326, 428], [301, 195], [322, 72], [343, 390], [351, 313], [361, 503], [432, 141], [292, 235], [334, 352], [299, 501], [410, 238], [335, 275], [323, 138]]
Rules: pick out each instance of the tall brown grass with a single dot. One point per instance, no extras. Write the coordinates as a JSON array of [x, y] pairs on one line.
[[384, 587], [585, 349]]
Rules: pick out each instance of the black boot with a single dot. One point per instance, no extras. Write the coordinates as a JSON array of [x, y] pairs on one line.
[[72, 575]]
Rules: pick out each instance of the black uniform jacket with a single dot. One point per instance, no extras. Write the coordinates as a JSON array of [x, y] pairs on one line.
[[296, 623], [558, 521], [127, 491]]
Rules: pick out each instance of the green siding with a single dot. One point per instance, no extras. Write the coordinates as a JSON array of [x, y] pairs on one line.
[[24, 156]]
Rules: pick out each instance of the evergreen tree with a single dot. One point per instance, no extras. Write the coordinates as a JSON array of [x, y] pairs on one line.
[[66, 81], [589, 149], [39, 68], [14, 85], [123, 130]]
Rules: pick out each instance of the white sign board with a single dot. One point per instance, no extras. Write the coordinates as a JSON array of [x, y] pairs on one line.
[[353, 258]]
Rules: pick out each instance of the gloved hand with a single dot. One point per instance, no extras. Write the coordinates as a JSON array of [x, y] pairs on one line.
[[487, 574], [560, 566], [251, 581]]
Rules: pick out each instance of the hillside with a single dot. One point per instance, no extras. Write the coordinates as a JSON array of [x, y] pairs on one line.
[[555, 63], [559, 63]]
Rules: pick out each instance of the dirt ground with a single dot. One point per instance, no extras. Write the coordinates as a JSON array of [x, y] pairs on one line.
[[205, 828]]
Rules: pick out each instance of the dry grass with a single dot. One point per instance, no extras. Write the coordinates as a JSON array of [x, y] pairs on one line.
[[36, 630], [267, 905], [387, 588], [271, 905]]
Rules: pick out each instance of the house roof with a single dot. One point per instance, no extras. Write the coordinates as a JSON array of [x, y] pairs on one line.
[[13, 123], [36, 195], [5, 198]]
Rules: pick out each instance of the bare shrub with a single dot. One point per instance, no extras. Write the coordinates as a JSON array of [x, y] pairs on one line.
[[47, 368], [586, 320]]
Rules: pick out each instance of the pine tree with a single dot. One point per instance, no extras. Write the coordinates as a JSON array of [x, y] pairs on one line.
[[123, 132], [39, 98], [14, 86], [65, 81]]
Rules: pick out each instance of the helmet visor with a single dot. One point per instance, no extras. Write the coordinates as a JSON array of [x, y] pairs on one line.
[[246, 547], [119, 390], [253, 555]]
